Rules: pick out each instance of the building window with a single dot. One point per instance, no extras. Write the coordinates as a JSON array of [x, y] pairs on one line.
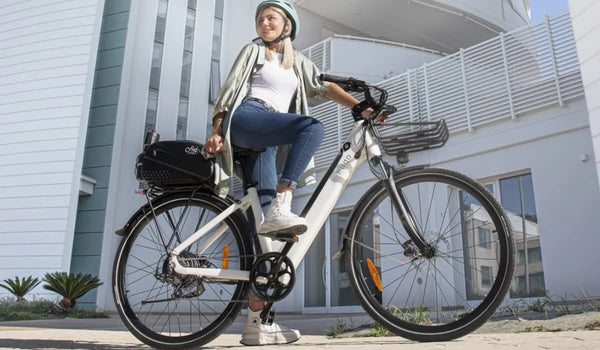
[[518, 199], [215, 76], [341, 291], [214, 86], [486, 276], [157, 53], [477, 242], [485, 237], [186, 70]]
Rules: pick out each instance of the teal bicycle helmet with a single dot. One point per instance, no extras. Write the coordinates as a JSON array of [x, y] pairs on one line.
[[292, 15]]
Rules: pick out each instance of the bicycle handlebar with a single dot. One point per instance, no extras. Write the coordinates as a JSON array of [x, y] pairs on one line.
[[356, 85], [345, 82]]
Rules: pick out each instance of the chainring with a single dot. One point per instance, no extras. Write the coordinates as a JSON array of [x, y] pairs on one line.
[[272, 277]]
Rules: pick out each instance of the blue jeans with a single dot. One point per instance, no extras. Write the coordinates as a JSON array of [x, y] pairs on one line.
[[255, 125]]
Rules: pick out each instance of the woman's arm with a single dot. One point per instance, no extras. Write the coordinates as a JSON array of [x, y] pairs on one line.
[[215, 142], [226, 97], [336, 93]]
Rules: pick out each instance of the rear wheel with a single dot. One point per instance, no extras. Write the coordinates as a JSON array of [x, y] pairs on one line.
[[168, 310], [444, 296]]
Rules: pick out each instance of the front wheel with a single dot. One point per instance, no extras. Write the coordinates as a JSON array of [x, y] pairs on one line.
[[436, 298], [168, 310]]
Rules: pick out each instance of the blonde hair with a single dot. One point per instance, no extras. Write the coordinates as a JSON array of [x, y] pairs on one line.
[[287, 47]]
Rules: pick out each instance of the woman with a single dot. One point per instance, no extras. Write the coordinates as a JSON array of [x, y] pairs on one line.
[[264, 104]]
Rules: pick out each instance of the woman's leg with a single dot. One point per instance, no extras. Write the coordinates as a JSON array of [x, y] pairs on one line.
[[254, 126]]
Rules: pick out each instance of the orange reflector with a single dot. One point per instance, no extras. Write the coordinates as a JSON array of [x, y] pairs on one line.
[[226, 257], [374, 274]]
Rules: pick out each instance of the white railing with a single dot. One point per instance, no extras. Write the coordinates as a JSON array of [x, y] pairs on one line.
[[517, 72], [320, 53]]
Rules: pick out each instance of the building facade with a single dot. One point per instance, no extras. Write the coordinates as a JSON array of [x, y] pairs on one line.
[[81, 83]]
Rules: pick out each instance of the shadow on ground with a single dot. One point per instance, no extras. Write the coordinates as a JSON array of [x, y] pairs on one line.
[[61, 344]]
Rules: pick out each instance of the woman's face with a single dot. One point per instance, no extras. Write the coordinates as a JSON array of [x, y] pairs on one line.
[[269, 24]]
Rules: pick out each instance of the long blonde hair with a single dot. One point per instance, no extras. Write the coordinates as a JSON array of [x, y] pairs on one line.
[[287, 48]]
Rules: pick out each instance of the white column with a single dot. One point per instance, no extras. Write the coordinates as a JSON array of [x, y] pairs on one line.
[[584, 14]]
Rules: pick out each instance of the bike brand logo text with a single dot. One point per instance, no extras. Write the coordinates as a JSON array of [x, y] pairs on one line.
[[193, 150]]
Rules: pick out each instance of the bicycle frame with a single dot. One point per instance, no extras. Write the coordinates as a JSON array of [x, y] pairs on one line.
[[317, 210]]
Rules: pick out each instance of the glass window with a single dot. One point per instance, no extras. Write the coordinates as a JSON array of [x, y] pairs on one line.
[[518, 199], [186, 74], [219, 9], [215, 81], [190, 24], [161, 21], [315, 286], [186, 71], [182, 118], [151, 108], [155, 71], [534, 255], [215, 72], [536, 284], [486, 276], [216, 49], [485, 237], [477, 243], [156, 66], [341, 291], [520, 257]]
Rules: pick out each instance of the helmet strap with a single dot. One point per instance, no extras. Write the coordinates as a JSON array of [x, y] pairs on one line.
[[281, 37]]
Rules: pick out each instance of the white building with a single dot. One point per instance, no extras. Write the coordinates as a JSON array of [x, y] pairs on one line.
[[81, 82]]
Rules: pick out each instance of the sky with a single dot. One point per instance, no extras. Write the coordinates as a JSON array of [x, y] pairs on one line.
[[541, 8]]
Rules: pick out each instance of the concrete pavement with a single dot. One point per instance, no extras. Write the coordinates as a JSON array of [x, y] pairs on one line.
[[111, 334]]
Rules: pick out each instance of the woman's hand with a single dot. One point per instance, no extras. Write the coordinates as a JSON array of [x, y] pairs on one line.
[[380, 118], [336, 93], [214, 143], [367, 112]]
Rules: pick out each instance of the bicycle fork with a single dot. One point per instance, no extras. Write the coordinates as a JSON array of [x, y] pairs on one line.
[[386, 174]]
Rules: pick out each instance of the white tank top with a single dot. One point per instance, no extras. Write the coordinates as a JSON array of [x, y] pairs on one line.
[[274, 84]]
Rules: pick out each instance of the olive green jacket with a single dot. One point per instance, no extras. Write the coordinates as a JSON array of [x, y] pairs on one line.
[[237, 86]]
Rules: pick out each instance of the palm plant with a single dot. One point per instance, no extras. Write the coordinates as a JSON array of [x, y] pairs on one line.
[[71, 287], [20, 288]]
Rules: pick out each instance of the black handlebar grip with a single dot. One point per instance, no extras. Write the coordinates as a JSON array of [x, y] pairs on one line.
[[341, 80], [332, 78]]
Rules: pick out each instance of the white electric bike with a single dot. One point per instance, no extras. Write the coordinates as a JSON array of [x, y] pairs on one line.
[[429, 252]]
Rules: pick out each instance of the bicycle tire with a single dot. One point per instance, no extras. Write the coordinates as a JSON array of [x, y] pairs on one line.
[[460, 302], [136, 267]]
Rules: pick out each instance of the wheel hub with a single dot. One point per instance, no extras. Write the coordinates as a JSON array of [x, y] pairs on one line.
[[184, 286]]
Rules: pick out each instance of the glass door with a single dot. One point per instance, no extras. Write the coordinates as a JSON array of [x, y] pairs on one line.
[[326, 284]]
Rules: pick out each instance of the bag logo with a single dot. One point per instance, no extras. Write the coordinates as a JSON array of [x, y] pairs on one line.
[[193, 150]]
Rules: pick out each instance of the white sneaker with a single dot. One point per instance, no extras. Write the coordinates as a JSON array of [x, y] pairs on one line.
[[280, 221], [257, 333]]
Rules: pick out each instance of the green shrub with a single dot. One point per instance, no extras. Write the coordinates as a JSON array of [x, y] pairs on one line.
[[11, 310], [379, 331], [71, 287], [20, 288]]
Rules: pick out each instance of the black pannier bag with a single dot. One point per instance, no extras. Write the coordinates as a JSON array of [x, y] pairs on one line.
[[174, 163]]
